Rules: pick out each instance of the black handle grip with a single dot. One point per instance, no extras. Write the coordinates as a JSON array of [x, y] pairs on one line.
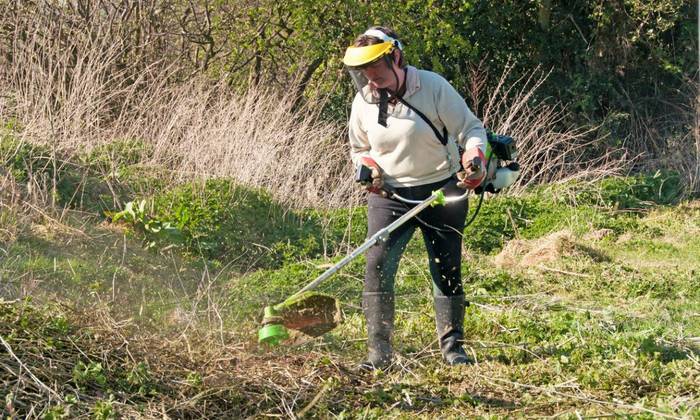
[[363, 175], [476, 162]]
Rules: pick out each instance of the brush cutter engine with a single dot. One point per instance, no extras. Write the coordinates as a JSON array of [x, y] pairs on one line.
[[502, 170]]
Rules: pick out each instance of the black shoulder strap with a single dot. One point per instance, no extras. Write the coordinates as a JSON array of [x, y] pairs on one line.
[[383, 107], [443, 137]]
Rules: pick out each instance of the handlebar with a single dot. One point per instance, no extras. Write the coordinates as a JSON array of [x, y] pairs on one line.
[[451, 199], [364, 177]]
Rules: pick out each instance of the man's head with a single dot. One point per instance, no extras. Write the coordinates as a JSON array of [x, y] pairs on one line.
[[375, 60]]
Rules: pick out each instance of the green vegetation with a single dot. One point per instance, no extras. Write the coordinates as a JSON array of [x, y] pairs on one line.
[[155, 194], [584, 302], [158, 165], [97, 180], [624, 65]]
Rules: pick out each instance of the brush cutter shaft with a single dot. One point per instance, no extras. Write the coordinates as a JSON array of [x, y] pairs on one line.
[[447, 199], [381, 235]]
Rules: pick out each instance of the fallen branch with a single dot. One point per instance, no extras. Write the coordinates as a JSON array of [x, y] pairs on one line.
[[31, 375], [568, 273], [315, 400]]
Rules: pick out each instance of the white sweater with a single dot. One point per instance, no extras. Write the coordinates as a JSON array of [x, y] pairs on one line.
[[407, 149]]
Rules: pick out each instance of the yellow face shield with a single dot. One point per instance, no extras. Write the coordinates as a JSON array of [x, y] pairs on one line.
[[357, 58], [362, 56]]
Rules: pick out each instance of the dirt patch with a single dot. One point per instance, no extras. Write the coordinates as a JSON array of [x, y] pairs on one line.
[[531, 253], [625, 237], [597, 235]]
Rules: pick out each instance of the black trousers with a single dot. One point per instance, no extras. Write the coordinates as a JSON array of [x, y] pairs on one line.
[[441, 226]]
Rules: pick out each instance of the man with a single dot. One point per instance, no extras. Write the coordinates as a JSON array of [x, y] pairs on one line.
[[409, 126]]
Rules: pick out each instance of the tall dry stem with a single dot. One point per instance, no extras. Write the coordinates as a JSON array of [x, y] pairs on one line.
[[671, 140], [258, 139], [546, 152], [72, 100], [682, 148]]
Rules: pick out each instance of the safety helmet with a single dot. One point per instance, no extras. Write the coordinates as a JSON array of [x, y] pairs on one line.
[[358, 58]]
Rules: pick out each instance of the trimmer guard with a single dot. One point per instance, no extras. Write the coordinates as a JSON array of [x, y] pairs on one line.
[[312, 313]]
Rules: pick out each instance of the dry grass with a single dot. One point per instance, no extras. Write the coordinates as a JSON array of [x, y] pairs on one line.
[[520, 253], [670, 138], [686, 160], [73, 100], [196, 376], [17, 208], [546, 153], [8, 202], [258, 139], [187, 376]]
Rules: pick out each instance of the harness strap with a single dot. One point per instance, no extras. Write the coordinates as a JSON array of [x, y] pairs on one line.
[[442, 137], [383, 107]]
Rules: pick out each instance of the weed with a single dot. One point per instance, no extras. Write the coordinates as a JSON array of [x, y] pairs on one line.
[[633, 192], [156, 231], [140, 380], [224, 221], [89, 374], [104, 410], [109, 159], [194, 379], [57, 413]]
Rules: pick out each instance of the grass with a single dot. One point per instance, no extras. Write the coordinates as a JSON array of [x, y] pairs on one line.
[[597, 311], [584, 296]]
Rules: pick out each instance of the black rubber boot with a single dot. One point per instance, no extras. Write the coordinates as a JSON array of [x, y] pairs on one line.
[[449, 319], [379, 313]]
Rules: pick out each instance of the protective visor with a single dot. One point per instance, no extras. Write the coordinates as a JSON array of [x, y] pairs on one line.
[[358, 58], [371, 96]]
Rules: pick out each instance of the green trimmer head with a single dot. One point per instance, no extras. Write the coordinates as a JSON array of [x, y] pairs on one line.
[[312, 313], [272, 331]]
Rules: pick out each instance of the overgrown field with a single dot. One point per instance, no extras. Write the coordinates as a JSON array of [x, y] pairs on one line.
[[127, 295]]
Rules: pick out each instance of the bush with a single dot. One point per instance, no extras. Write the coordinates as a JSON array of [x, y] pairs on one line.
[[222, 220], [634, 192], [23, 159]]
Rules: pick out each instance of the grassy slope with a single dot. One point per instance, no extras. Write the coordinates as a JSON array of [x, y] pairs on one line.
[[603, 320], [597, 326]]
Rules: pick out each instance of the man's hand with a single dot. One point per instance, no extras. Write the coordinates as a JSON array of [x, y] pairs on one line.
[[377, 181], [473, 171]]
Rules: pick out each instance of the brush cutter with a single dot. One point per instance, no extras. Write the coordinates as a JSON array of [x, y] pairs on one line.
[[316, 313]]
